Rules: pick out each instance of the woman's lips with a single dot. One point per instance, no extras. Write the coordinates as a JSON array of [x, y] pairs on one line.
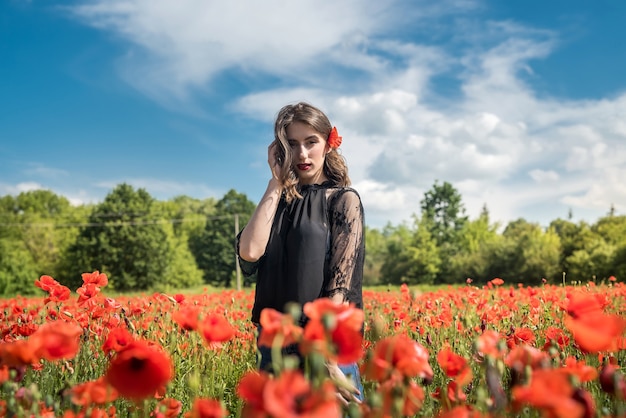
[[303, 167]]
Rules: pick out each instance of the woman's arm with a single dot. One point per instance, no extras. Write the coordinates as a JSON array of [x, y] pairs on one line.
[[347, 247], [256, 234]]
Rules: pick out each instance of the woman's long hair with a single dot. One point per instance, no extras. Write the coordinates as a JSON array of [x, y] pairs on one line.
[[335, 167]]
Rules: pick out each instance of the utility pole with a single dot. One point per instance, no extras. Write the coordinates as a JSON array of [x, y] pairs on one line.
[[237, 268]]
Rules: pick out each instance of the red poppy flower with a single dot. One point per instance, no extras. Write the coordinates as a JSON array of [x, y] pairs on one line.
[[497, 281], [117, 339], [187, 318], [463, 411], [56, 291], [581, 304], [58, 294], [334, 330], [18, 353], [93, 392], [454, 393], [276, 326], [207, 408], [409, 397], [398, 355], [521, 336], [139, 370], [334, 140], [57, 340], [551, 392], [167, 408], [86, 293], [291, 395], [596, 331], [555, 335], [46, 283], [487, 344], [346, 315], [216, 329], [343, 344], [96, 278], [525, 355], [250, 389], [580, 369], [454, 366]]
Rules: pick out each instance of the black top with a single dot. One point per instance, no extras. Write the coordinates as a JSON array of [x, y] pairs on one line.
[[316, 249]]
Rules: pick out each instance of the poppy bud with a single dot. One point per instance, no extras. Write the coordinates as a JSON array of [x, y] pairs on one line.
[[584, 398], [611, 380]]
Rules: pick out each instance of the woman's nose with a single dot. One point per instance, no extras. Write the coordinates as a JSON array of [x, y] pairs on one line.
[[302, 152]]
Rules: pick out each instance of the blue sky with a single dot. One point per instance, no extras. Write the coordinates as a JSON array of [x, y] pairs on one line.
[[521, 105]]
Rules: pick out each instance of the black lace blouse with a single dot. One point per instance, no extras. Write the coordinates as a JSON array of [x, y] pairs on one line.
[[316, 249]]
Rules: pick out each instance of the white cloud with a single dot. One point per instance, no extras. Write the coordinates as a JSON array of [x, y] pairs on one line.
[[497, 140], [543, 176], [181, 44], [41, 170], [15, 189]]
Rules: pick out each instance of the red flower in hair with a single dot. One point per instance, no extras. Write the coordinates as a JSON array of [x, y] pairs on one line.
[[334, 140]]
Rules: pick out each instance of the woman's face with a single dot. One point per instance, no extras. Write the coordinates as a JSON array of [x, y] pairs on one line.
[[308, 150]]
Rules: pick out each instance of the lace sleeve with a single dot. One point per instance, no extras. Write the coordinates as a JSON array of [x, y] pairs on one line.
[[347, 246]]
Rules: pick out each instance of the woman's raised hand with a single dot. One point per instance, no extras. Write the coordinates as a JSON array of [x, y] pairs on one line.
[[274, 164]]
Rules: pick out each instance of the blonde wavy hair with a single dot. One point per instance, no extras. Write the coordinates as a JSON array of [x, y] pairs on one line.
[[335, 167]]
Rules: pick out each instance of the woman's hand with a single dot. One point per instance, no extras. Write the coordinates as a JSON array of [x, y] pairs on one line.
[[346, 391], [274, 164]]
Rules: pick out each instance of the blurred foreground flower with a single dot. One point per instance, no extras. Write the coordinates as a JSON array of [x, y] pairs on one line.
[[397, 357], [207, 408], [139, 370], [333, 330], [593, 329], [57, 340], [288, 395]]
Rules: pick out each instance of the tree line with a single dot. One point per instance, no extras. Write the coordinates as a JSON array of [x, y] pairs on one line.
[[146, 244]]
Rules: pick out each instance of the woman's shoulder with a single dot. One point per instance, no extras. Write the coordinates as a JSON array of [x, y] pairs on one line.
[[344, 194]]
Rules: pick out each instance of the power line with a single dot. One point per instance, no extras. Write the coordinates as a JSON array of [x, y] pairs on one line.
[[122, 223]]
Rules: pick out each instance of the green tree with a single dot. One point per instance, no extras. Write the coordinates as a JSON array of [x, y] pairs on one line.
[[124, 239], [527, 253], [475, 241], [214, 250], [412, 255], [443, 213], [376, 245], [189, 214], [18, 271], [618, 268], [182, 270], [611, 228], [42, 221], [596, 261], [397, 262]]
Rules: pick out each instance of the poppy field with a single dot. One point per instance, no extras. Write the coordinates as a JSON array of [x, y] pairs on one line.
[[500, 350]]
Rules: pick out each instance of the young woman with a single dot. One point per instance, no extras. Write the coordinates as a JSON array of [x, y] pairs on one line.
[[305, 239]]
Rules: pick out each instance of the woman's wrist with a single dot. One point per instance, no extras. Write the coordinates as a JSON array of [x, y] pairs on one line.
[[274, 186]]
